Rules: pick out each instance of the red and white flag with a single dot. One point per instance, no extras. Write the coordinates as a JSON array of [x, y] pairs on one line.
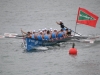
[[86, 17]]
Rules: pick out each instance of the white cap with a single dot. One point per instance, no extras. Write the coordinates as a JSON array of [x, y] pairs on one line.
[[60, 20], [55, 29], [39, 29], [42, 29], [45, 28], [50, 28], [33, 30]]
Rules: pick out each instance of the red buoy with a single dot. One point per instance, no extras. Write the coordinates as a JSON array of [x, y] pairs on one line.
[[73, 51]]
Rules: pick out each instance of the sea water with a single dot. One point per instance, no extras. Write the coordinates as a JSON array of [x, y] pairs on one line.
[[55, 60]]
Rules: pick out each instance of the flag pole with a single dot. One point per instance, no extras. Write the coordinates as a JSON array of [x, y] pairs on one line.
[[76, 20], [75, 29]]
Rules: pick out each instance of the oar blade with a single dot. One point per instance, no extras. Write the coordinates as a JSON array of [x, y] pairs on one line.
[[10, 35], [1, 36]]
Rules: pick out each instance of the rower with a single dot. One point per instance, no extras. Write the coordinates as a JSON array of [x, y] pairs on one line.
[[54, 34], [45, 31], [69, 32], [34, 35], [27, 34], [66, 32], [40, 36], [60, 34], [47, 36]]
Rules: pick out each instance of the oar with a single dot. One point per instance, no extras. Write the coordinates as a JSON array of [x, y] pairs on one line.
[[87, 41], [73, 31], [1, 36], [10, 35], [23, 37]]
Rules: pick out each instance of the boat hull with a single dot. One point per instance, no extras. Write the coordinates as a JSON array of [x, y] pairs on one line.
[[30, 43]]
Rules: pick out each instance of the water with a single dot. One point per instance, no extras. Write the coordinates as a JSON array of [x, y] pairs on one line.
[[30, 15]]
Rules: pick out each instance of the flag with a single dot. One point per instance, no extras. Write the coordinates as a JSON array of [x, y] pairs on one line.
[[86, 17]]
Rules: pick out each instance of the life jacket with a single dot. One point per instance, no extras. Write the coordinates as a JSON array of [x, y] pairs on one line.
[[46, 37]]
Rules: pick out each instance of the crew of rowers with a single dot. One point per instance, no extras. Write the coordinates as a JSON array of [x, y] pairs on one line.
[[50, 34]]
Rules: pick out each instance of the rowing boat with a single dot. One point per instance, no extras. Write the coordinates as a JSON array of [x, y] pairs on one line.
[[31, 44]]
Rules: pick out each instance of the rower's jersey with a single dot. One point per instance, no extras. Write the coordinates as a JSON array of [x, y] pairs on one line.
[[33, 37], [53, 35], [47, 37], [39, 37], [60, 34]]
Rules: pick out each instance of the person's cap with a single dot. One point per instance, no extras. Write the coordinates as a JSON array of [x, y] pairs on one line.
[[33, 30], [45, 28], [55, 29], [39, 29], [60, 20], [42, 29], [50, 28]]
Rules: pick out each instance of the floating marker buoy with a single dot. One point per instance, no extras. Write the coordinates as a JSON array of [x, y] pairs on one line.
[[73, 51]]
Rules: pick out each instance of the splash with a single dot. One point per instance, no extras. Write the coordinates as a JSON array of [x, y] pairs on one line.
[[41, 48]]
